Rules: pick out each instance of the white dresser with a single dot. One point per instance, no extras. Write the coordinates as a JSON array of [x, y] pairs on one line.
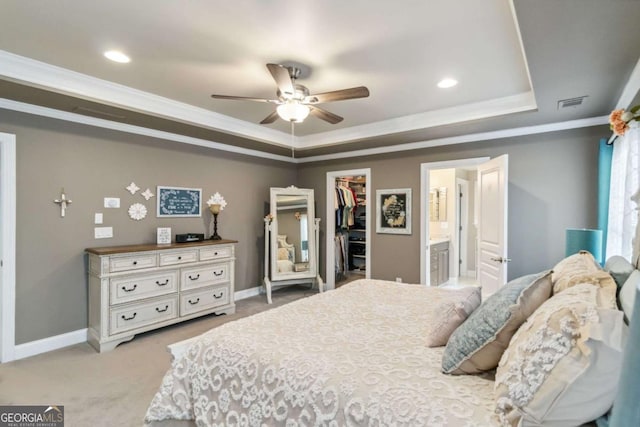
[[133, 289]]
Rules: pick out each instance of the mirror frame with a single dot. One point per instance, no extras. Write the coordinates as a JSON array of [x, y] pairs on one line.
[[273, 244]]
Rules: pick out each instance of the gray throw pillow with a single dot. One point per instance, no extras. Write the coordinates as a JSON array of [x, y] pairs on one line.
[[619, 268], [477, 345]]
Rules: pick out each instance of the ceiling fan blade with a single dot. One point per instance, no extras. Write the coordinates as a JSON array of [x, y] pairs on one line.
[[283, 79], [245, 98], [338, 95], [325, 115], [270, 118]]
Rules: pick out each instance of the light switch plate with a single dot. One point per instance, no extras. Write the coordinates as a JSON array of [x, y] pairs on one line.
[[103, 232], [97, 218], [111, 202]]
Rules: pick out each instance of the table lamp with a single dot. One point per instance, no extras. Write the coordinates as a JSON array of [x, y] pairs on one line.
[[215, 210], [584, 239]]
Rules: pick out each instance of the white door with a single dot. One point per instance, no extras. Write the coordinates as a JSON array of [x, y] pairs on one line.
[[492, 230]]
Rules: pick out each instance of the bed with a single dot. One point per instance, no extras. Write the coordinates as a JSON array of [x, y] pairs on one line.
[[351, 357]]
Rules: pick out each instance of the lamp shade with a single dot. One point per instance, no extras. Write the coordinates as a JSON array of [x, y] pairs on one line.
[[584, 239], [293, 111]]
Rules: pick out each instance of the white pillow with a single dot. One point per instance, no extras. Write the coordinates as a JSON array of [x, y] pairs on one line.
[[563, 365]]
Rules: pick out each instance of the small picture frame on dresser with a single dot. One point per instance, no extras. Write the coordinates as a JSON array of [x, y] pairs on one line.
[[163, 236]]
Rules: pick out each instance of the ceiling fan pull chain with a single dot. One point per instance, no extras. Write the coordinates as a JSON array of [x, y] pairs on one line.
[[293, 140]]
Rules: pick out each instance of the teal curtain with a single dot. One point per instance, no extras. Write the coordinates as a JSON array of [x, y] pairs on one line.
[[604, 180]]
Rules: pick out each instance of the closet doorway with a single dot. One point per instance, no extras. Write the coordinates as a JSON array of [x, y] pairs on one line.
[[348, 226]]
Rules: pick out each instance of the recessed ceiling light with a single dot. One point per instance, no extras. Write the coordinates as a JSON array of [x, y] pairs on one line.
[[117, 56], [447, 83]]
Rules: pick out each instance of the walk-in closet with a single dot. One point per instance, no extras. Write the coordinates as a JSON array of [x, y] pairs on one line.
[[350, 240]]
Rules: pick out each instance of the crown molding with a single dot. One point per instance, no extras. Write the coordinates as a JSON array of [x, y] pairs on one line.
[[484, 136], [9, 104], [475, 137], [50, 77], [446, 116], [61, 80]]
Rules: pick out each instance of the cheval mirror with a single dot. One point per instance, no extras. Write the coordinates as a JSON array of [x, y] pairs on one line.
[[291, 240]]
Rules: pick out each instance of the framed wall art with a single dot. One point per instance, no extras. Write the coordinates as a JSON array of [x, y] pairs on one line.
[[179, 202], [394, 211]]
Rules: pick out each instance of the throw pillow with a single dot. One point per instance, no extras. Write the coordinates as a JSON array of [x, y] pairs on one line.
[[628, 294], [619, 268], [451, 314], [601, 279], [562, 367], [575, 265], [476, 346]]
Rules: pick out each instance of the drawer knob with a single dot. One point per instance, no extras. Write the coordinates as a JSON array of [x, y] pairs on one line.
[[166, 307], [194, 302], [124, 288], [166, 282], [215, 253], [194, 278], [129, 318], [135, 262], [218, 296], [218, 273], [179, 258]]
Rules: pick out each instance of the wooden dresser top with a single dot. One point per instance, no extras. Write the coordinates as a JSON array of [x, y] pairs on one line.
[[111, 250]]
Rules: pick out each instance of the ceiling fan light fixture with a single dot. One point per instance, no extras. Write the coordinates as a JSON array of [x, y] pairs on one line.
[[447, 83], [293, 111]]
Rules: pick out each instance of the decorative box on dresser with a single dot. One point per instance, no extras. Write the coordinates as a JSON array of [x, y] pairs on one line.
[[137, 288]]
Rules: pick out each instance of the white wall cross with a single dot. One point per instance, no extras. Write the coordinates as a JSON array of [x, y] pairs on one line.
[[63, 202]]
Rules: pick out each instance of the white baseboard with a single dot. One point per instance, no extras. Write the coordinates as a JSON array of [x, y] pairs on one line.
[[247, 293], [49, 344], [76, 337]]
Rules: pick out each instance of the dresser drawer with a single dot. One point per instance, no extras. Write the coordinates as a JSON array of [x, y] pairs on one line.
[[219, 252], [204, 299], [197, 277], [132, 288], [182, 257], [135, 316], [132, 262]]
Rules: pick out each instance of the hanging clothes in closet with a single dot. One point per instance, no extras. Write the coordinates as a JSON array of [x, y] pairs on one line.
[[345, 204], [342, 253]]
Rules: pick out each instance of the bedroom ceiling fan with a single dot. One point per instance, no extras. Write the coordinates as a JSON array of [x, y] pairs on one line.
[[294, 102]]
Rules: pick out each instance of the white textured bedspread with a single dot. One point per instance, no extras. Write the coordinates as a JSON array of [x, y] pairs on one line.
[[355, 356]]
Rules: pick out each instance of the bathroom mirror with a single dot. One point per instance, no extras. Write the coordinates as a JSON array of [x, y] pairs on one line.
[[293, 243], [438, 204]]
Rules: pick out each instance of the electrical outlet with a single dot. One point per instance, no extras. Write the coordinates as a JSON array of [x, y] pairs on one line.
[[399, 279]]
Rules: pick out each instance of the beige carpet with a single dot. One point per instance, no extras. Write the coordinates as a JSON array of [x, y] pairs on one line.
[[113, 388]]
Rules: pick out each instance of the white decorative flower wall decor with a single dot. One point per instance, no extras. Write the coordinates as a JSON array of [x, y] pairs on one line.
[[132, 188], [147, 194], [217, 199], [137, 211]]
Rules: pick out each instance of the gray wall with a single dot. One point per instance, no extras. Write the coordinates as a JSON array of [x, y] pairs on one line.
[[91, 163], [552, 186]]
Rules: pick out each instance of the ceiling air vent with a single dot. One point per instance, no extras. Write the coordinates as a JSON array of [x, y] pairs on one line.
[[571, 102]]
